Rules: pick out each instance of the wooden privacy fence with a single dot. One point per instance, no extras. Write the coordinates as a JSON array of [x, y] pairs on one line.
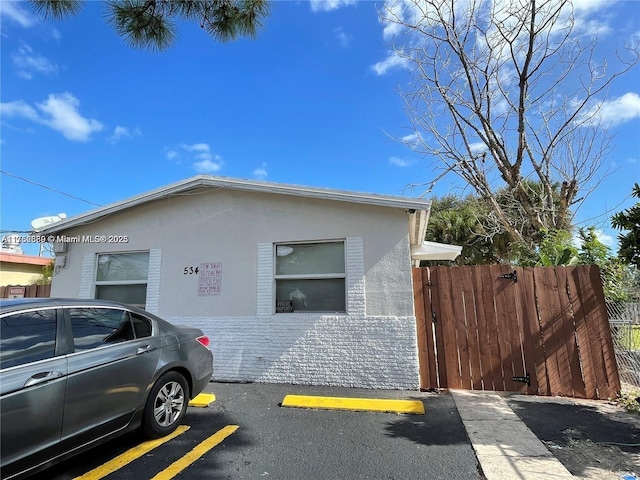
[[30, 291], [538, 330]]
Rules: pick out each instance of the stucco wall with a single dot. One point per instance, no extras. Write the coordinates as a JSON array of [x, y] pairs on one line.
[[374, 344], [19, 274]]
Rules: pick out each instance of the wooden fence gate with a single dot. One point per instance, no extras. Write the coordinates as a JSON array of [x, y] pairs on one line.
[[28, 291], [538, 330]]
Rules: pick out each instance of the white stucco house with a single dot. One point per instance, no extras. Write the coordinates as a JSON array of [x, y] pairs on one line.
[[292, 284]]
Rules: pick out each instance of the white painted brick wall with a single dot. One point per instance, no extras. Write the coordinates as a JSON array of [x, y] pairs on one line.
[[368, 352], [153, 280], [265, 279], [86, 275], [356, 296]]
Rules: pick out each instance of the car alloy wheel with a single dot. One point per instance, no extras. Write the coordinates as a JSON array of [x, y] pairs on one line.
[[166, 405]]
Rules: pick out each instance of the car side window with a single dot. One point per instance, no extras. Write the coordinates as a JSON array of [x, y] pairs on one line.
[[141, 326], [27, 337], [97, 327]]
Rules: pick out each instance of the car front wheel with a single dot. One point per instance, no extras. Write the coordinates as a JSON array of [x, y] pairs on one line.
[[166, 405]]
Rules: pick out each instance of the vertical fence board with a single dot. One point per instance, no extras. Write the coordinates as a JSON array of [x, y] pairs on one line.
[[545, 280], [593, 331], [532, 339], [503, 325], [472, 326], [434, 278], [488, 296], [419, 308], [447, 325], [582, 334], [430, 328], [483, 331], [608, 353], [461, 331], [573, 377], [510, 291]]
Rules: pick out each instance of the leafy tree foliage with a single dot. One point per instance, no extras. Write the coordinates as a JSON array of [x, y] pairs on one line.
[[152, 24], [457, 221], [629, 220], [620, 281], [463, 221]]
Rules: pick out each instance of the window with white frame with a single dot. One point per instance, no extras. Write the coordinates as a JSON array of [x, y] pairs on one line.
[[122, 277], [311, 276]]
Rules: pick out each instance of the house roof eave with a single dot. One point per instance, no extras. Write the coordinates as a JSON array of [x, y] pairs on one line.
[[409, 204]]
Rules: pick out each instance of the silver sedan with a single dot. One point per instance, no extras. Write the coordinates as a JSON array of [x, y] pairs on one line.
[[75, 373]]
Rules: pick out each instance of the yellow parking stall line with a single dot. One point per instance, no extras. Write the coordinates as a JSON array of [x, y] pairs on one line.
[[203, 400], [179, 465], [130, 455], [355, 404]]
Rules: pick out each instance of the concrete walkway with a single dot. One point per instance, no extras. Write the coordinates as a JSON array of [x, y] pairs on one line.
[[505, 447]]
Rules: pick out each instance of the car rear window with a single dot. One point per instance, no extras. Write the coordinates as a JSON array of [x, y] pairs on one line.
[[27, 337], [96, 327]]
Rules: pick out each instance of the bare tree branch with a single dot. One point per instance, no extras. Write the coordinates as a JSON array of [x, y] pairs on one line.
[[506, 95]]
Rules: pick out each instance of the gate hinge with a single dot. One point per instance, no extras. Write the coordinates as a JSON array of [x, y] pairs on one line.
[[510, 276], [526, 379]]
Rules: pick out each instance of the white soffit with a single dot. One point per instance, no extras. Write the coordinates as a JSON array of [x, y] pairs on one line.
[[435, 251]]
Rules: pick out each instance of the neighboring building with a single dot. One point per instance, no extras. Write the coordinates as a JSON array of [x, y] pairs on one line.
[[19, 269], [292, 284]]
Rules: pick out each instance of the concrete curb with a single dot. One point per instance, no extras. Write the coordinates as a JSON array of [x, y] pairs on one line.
[[505, 447]]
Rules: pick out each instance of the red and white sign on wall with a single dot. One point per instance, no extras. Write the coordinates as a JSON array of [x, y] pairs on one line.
[[210, 279]]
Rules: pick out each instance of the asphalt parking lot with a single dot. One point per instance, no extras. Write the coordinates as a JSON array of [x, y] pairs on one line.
[[245, 433]]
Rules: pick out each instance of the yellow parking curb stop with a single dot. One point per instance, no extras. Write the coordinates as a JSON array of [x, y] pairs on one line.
[[357, 404], [203, 400]]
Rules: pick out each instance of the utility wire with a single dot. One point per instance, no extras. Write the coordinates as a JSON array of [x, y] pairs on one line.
[[608, 212], [49, 188]]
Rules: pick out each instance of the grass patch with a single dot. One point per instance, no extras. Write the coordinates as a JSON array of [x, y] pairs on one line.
[[629, 401], [629, 337]]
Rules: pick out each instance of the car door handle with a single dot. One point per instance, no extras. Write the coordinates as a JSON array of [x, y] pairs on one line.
[[145, 349], [42, 377]]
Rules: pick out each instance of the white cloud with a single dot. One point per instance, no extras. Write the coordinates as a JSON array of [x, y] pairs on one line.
[[401, 162], [328, 5], [605, 238], [15, 12], [196, 147], [59, 112], [120, 133], [63, 116], [207, 166], [342, 37], [172, 155], [19, 108], [207, 162], [477, 147], [27, 63], [261, 172], [392, 61], [613, 112]]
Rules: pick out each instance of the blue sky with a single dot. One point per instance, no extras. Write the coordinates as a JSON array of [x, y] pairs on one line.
[[311, 101]]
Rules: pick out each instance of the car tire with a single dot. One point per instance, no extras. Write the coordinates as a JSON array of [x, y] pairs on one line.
[[166, 405]]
